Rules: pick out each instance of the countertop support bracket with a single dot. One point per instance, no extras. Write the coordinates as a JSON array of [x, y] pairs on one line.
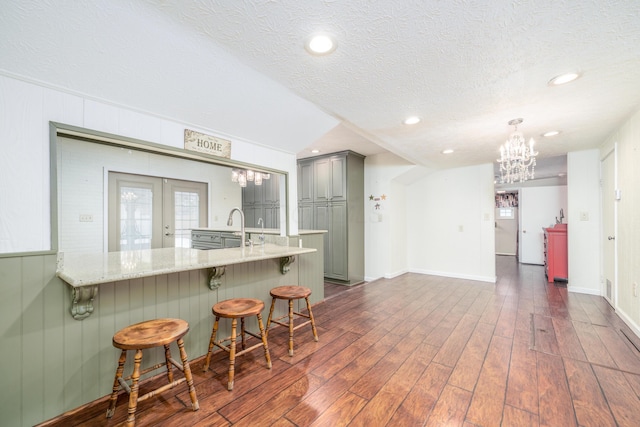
[[82, 301], [285, 262], [215, 277]]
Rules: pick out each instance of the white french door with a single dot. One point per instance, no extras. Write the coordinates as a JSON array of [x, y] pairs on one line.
[[147, 212]]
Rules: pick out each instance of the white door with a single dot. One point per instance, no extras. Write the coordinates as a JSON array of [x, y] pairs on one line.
[[184, 208], [608, 227], [506, 230], [147, 212], [539, 207]]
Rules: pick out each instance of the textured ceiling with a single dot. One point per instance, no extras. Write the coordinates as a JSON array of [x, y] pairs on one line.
[[466, 67]]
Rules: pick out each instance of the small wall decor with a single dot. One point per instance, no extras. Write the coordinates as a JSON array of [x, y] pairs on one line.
[[507, 200], [377, 202], [207, 144], [376, 207]]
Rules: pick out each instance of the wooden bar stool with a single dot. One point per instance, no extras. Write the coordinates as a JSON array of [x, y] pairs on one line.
[[234, 309], [291, 293], [149, 334]]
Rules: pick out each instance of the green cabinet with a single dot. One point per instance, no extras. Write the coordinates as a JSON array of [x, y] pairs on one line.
[[213, 239], [262, 201], [331, 197]]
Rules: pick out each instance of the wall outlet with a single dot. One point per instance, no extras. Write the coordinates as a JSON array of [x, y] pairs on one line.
[[635, 289], [460, 228], [86, 218], [584, 216]]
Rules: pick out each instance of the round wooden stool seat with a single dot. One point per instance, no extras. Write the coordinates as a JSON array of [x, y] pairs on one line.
[[234, 309], [141, 336], [149, 334], [238, 307], [291, 293]]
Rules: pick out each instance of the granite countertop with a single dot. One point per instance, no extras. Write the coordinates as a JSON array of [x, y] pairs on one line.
[[251, 230], [83, 269]]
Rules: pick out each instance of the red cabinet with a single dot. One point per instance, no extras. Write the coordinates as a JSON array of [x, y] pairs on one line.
[[556, 266]]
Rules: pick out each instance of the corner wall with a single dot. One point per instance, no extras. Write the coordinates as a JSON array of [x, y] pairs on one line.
[[627, 138], [385, 225], [584, 219], [450, 223]]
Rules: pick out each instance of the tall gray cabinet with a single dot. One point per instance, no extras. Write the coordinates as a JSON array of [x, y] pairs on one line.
[[262, 201], [331, 197]]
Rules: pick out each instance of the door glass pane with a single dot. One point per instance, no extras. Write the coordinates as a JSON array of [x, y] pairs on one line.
[[187, 216], [135, 218]]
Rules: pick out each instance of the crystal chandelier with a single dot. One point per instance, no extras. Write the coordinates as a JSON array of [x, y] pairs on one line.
[[517, 159]]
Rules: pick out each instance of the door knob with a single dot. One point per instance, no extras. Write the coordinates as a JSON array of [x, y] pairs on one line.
[[168, 234], [611, 238]]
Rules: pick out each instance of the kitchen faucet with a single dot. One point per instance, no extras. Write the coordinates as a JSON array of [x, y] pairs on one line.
[[261, 237], [230, 223]]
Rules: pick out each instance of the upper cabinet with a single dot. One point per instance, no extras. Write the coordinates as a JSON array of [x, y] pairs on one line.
[[330, 180], [305, 181]]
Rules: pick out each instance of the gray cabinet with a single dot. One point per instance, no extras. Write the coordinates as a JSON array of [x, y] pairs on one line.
[[305, 181], [212, 239], [262, 201], [331, 197]]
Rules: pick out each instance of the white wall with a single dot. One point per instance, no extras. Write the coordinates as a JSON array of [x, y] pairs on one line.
[[450, 223], [583, 219], [627, 240], [82, 178], [26, 110], [385, 228]]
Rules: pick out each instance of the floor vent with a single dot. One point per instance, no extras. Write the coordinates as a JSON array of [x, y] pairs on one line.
[[632, 341]]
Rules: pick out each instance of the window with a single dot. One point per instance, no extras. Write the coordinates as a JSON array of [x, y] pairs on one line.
[[505, 213]]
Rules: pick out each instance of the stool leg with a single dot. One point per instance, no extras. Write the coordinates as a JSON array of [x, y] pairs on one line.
[[273, 304], [211, 342], [242, 332], [232, 353], [167, 356], [263, 335], [133, 396], [116, 384], [313, 323], [290, 327], [187, 374]]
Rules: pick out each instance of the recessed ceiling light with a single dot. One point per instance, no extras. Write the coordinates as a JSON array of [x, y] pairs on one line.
[[447, 151], [320, 44], [412, 120], [551, 133], [315, 151], [563, 78]]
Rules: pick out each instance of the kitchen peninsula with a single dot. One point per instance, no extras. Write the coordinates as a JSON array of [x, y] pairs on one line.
[[84, 272]]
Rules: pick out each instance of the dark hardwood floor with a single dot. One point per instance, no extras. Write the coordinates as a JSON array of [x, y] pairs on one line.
[[423, 350]]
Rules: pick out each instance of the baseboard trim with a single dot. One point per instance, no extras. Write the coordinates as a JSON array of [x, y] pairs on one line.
[[587, 291], [455, 275]]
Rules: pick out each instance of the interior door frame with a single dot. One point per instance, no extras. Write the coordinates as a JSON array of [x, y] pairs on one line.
[[603, 232]]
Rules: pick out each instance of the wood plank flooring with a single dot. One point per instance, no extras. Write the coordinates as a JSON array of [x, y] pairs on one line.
[[422, 350]]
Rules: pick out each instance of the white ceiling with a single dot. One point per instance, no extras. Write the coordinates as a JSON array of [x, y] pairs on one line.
[[465, 67]]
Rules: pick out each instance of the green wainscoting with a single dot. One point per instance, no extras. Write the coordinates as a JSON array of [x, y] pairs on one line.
[[53, 363]]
